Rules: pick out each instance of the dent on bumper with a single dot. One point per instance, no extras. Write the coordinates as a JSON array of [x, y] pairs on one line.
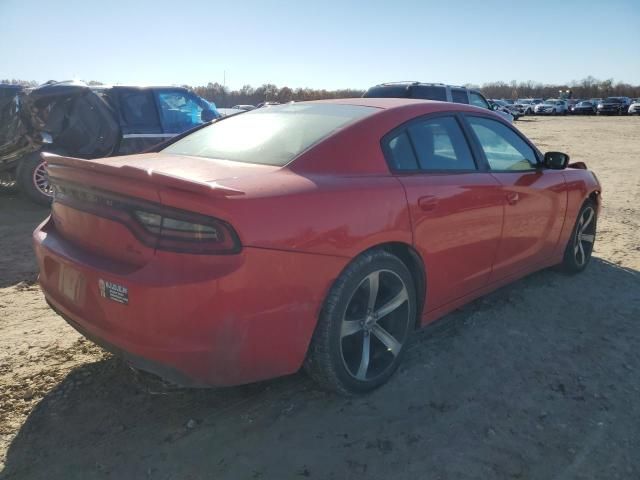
[[202, 320]]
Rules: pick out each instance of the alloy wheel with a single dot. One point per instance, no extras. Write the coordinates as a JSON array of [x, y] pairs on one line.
[[41, 180], [375, 325], [585, 236]]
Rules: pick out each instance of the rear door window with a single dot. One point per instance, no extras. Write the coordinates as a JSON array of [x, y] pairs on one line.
[[429, 92], [459, 95], [440, 145]]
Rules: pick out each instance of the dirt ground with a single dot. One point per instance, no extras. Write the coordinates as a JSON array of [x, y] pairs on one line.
[[539, 380]]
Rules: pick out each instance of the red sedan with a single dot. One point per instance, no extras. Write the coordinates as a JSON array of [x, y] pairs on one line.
[[315, 234]]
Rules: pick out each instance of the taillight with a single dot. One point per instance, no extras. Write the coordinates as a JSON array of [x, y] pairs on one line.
[[155, 225], [185, 232]]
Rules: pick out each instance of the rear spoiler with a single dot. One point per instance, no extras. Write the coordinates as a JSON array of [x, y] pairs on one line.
[[146, 175]]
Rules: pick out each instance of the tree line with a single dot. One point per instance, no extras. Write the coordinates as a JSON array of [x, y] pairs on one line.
[[589, 87], [222, 96]]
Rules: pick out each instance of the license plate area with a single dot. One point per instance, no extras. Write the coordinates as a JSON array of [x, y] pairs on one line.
[[71, 284]]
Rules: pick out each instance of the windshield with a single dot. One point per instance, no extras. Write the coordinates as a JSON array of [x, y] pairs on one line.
[[613, 100], [524, 102], [270, 136]]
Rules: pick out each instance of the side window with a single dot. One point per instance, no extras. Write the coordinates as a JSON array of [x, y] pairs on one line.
[[179, 111], [138, 109], [401, 153], [503, 147], [429, 92], [478, 100], [440, 145], [459, 96]]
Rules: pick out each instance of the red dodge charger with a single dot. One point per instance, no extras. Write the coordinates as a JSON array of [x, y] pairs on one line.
[[315, 234]]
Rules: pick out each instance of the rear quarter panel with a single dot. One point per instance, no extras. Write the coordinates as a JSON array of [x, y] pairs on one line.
[[322, 214]]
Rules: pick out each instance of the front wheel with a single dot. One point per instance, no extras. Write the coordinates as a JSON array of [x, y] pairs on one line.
[[364, 325], [33, 180], [578, 252]]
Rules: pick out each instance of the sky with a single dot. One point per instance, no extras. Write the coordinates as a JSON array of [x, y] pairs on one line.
[[329, 44]]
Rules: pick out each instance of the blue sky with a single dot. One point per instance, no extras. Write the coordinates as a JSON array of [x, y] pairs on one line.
[[329, 44]]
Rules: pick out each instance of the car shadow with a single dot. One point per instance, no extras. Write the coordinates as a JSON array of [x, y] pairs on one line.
[[534, 380]]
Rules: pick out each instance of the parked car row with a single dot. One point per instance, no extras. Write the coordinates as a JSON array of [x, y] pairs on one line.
[[560, 106]]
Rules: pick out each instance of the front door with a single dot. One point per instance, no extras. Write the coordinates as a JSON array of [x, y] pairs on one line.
[[455, 208], [534, 198]]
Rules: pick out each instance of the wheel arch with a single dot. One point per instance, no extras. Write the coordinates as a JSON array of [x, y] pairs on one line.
[[414, 262]]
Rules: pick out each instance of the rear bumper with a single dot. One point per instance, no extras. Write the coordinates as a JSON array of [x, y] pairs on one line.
[[192, 319]]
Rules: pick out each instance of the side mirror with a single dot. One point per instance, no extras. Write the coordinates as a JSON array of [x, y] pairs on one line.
[[556, 160], [493, 107], [208, 115]]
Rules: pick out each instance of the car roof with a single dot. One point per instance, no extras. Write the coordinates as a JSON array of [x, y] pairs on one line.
[[382, 103]]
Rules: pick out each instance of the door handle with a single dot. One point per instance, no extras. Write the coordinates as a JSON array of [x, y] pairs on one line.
[[428, 202], [512, 198]]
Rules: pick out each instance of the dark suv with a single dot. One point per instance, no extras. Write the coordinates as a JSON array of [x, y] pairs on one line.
[[428, 91], [72, 118]]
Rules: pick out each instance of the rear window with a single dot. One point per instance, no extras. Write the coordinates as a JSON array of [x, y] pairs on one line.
[[269, 136], [388, 91], [429, 92]]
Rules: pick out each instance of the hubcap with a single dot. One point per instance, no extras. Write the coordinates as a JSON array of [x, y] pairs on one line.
[[585, 236], [41, 180], [375, 325]]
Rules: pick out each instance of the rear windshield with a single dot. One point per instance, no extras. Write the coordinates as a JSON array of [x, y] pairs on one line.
[[270, 136], [388, 91]]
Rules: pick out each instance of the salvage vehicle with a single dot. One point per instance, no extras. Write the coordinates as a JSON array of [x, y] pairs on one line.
[[315, 234], [510, 108], [584, 108], [634, 108], [551, 106], [528, 104], [613, 106], [72, 118]]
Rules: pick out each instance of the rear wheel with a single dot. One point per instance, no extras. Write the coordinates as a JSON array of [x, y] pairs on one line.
[[580, 246], [33, 180], [364, 325]]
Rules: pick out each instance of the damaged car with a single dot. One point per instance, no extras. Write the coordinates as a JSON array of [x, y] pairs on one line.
[[73, 118]]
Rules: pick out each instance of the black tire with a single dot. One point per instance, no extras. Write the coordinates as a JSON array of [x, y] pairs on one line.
[[29, 179], [338, 344], [577, 253]]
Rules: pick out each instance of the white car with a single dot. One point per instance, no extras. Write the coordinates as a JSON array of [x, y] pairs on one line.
[[503, 107], [634, 108], [552, 106]]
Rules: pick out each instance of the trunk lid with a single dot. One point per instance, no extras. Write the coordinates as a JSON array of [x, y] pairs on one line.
[[93, 200]]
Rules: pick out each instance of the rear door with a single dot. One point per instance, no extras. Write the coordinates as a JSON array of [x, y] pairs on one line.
[[456, 208], [534, 198]]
